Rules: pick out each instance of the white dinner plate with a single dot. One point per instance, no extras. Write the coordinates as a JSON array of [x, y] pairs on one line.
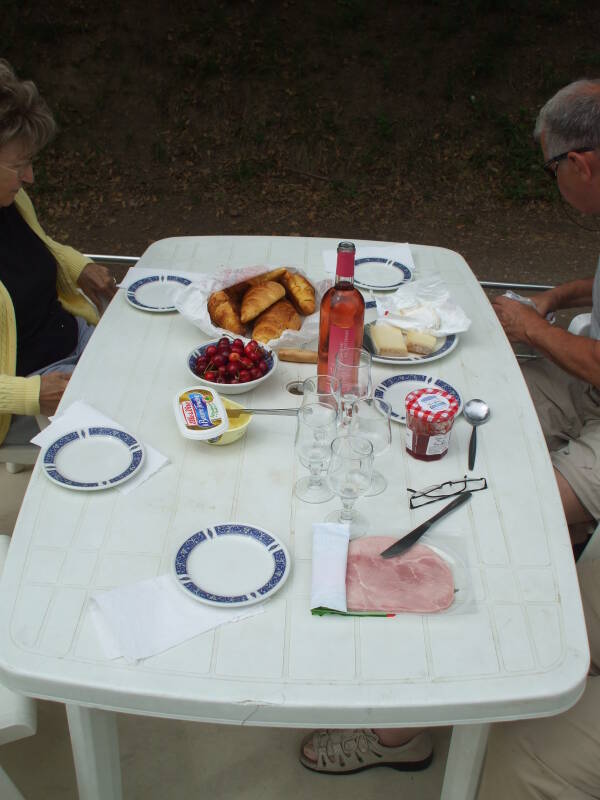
[[443, 348], [93, 458], [380, 274], [156, 292], [232, 565], [393, 391]]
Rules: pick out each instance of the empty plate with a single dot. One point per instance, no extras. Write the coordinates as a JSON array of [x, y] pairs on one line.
[[156, 292], [232, 565], [380, 274], [93, 458]]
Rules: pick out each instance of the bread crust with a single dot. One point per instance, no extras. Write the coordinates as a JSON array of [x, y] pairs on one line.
[[258, 298], [300, 291], [224, 312], [275, 320]]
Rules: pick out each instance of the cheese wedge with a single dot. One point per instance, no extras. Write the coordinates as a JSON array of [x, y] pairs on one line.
[[420, 342], [388, 340]]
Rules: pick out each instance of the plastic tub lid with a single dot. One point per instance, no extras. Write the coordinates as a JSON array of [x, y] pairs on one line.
[[200, 413]]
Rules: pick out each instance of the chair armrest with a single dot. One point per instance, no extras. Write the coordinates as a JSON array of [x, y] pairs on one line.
[[580, 324]]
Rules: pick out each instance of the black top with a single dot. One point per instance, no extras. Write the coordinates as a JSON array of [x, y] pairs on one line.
[[45, 331]]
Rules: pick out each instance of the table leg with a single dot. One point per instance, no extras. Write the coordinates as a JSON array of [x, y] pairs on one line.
[[465, 759], [95, 743]]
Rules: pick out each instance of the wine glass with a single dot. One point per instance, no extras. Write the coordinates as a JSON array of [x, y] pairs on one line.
[[349, 475], [321, 389], [317, 426], [371, 420], [353, 368]]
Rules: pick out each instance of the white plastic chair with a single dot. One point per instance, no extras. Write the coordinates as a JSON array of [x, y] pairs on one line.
[[580, 324], [18, 714]]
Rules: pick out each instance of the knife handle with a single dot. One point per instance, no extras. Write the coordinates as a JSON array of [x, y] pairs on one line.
[[458, 501]]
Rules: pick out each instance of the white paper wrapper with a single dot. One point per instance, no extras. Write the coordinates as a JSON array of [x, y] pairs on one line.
[[329, 557], [192, 304], [423, 305]]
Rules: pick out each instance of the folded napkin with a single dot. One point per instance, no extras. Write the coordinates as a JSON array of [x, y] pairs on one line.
[[81, 415], [392, 252], [423, 305], [136, 273], [151, 616]]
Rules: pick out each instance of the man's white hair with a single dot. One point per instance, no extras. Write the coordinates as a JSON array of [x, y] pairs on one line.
[[571, 119]]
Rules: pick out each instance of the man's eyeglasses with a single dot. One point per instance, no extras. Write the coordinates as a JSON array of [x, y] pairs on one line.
[[20, 169], [443, 490], [550, 167]]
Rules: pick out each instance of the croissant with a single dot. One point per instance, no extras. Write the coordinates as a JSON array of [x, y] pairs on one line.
[[300, 292], [258, 298], [224, 312], [238, 289], [275, 320]]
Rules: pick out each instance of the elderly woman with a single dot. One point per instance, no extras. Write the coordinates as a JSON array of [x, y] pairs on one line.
[[46, 317]]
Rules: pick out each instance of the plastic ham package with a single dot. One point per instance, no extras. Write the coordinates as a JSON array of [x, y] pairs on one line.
[[431, 589], [192, 303]]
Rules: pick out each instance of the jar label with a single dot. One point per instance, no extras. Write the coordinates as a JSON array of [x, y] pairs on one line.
[[433, 403], [438, 444]]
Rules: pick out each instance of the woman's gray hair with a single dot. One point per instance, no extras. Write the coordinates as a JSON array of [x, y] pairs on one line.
[[571, 119], [24, 115]]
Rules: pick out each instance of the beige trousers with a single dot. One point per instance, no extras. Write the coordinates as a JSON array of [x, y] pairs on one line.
[[554, 758]]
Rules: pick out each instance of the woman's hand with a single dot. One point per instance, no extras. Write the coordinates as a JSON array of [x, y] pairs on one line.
[[52, 388], [96, 282]]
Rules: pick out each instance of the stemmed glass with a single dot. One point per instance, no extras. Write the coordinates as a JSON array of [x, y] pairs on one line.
[[321, 389], [349, 475], [317, 427], [371, 420], [353, 369]]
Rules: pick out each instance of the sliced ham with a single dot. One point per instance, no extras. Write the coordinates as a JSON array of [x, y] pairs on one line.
[[418, 580]]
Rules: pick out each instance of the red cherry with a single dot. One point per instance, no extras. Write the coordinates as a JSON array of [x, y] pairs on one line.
[[263, 367], [244, 376], [255, 373], [210, 351], [224, 341], [256, 356], [237, 344], [219, 360], [231, 369], [210, 375], [246, 362], [234, 356]]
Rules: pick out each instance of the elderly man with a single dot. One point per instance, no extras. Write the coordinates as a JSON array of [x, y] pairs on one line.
[[558, 757], [565, 386]]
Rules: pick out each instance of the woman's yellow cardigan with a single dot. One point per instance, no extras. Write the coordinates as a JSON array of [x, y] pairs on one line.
[[22, 395]]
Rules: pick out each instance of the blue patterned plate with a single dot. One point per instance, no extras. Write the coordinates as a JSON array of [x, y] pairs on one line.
[[232, 565], [394, 390], [380, 274], [156, 292], [93, 458]]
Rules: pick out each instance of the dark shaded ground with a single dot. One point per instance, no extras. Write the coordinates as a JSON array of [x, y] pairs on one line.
[[394, 121]]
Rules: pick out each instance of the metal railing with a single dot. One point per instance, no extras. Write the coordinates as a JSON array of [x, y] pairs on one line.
[[530, 287]]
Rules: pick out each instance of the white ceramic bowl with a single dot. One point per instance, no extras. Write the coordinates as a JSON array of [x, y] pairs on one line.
[[232, 388]]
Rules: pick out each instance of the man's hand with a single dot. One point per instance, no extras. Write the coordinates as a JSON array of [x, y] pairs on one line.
[[515, 318], [98, 284], [52, 387]]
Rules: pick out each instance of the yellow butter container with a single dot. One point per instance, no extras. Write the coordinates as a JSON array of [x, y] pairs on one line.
[[237, 425]]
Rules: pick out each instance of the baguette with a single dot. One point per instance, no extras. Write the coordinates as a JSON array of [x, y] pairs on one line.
[[275, 320], [300, 292], [258, 298]]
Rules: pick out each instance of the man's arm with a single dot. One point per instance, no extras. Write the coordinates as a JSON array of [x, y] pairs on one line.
[[568, 295], [578, 355]]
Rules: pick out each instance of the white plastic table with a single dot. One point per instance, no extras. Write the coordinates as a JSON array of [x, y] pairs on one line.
[[517, 649]]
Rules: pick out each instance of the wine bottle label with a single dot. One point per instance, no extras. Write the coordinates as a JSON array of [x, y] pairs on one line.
[[338, 338]]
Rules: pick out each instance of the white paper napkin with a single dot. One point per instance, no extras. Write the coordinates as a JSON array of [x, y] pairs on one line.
[[423, 304], [394, 252], [136, 273], [81, 415], [329, 557], [151, 616]]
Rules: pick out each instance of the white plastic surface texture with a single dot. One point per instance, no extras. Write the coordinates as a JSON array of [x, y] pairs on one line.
[[521, 652]]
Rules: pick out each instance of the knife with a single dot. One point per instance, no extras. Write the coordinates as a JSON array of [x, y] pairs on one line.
[[402, 545]]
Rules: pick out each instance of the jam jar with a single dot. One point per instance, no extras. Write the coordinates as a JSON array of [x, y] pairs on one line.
[[430, 413]]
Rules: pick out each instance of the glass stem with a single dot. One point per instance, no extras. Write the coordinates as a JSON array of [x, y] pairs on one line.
[[315, 474], [347, 514]]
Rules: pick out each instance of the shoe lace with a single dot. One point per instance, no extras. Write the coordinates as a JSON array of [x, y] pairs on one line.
[[339, 745]]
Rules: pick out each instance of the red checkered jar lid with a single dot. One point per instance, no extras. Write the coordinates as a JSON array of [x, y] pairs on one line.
[[431, 405]]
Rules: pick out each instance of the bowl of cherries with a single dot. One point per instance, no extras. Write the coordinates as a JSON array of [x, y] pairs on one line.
[[233, 366]]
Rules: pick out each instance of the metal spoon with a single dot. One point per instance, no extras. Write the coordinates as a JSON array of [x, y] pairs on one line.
[[286, 412], [476, 412]]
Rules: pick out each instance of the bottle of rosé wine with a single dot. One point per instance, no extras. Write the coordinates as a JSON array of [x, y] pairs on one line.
[[342, 312]]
